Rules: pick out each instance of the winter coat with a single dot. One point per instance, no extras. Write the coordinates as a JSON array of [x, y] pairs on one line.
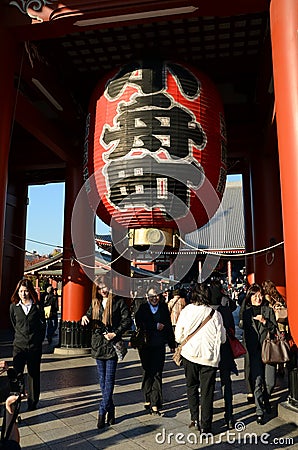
[[29, 329], [101, 348], [148, 322], [254, 332], [204, 347]]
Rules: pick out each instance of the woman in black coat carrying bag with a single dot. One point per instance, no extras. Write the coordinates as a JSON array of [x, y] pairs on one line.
[[258, 320], [109, 317]]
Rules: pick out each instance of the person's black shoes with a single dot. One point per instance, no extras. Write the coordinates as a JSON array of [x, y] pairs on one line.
[[194, 424], [230, 424], [155, 411], [101, 421], [111, 418], [260, 420]]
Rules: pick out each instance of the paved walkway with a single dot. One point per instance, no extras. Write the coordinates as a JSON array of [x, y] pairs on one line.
[[67, 413]]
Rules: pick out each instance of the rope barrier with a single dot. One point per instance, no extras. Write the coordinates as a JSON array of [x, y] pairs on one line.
[[231, 255], [102, 264]]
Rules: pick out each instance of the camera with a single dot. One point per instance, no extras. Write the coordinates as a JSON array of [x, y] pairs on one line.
[[16, 382]]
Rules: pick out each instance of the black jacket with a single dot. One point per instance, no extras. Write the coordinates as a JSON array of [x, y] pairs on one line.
[[52, 300], [101, 348], [146, 320], [254, 332], [30, 329]]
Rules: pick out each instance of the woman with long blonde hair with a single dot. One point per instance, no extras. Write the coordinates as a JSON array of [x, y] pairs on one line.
[[109, 317]]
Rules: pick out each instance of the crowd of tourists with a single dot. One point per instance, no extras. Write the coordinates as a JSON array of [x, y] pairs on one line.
[[198, 319]]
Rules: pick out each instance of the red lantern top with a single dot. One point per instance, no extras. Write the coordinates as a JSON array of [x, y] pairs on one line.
[[155, 140]]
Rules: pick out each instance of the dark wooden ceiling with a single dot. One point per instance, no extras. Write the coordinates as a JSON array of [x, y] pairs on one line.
[[231, 45]]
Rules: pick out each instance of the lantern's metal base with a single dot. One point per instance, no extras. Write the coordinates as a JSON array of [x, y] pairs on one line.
[[153, 236]]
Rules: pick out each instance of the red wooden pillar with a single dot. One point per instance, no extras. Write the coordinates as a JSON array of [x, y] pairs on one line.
[[249, 246], [284, 25], [8, 54], [267, 221], [78, 245]]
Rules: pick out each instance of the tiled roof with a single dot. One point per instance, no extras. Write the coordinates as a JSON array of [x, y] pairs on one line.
[[225, 231]]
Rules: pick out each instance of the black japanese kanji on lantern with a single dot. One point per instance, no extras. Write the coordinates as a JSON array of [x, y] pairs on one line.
[[155, 134]]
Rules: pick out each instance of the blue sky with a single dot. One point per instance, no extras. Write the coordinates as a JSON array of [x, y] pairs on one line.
[[45, 217]]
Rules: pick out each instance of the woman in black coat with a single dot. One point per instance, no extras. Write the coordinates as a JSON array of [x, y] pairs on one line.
[[28, 322], [154, 318], [109, 317], [258, 320]]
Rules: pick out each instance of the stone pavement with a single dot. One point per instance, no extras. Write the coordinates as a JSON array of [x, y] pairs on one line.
[[67, 413]]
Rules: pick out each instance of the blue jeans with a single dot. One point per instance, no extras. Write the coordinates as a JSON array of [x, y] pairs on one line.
[[106, 369]]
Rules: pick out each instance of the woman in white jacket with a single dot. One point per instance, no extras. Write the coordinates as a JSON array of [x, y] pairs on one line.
[[200, 355]]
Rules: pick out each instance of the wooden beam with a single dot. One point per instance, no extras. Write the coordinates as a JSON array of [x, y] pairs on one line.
[[44, 130]]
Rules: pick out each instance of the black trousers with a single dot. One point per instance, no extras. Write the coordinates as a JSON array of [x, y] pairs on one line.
[[203, 377], [152, 360], [33, 359], [226, 385]]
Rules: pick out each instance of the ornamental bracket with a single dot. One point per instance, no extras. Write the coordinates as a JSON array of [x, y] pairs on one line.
[[29, 7]]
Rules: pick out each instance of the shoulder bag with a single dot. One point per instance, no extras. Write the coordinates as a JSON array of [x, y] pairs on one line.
[[177, 358], [237, 348], [120, 349], [139, 338], [275, 350], [281, 314], [47, 311]]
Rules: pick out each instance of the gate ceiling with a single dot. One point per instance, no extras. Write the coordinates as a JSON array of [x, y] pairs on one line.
[[231, 45]]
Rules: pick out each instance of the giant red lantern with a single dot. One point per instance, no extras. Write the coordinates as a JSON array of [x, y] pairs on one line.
[[155, 137]]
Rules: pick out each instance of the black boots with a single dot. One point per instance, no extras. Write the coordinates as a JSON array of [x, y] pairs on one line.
[[101, 421], [111, 417]]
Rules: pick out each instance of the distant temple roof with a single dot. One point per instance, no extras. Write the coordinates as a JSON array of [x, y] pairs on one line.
[[225, 231]]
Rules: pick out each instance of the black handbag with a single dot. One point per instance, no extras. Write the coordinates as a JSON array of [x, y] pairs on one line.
[[139, 338], [120, 349], [275, 350]]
